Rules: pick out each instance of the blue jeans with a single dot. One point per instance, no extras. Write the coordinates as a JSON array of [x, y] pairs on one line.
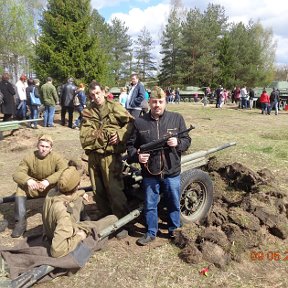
[[170, 187], [274, 104], [49, 116], [79, 109], [34, 113]]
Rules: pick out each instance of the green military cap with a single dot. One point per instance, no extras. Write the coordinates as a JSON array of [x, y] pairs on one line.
[[69, 180], [46, 137], [157, 93]]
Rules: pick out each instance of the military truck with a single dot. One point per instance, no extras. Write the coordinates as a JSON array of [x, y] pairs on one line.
[[281, 85], [191, 94]]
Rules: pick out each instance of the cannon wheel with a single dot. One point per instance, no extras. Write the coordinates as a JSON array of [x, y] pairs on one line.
[[196, 195]]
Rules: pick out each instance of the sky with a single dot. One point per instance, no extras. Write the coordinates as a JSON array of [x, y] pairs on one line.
[[154, 13]]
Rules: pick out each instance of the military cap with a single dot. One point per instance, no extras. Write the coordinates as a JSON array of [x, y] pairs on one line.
[[157, 93], [46, 137], [69, 179]]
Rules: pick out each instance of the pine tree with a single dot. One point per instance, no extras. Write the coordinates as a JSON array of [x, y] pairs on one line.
[[201, 35], [145, 63], [65, 47], [171, 49], [119, 51]]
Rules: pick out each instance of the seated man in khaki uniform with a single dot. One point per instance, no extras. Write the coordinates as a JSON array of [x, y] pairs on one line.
[[36, 174], [61, 215]]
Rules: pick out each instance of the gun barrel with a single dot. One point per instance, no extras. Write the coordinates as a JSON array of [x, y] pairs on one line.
[[202, 154], [121, 222], [8, 123]]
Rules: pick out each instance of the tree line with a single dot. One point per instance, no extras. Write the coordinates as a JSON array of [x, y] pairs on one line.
[[67, 38]]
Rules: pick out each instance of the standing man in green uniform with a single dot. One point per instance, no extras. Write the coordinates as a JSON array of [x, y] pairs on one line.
[[104, 130], [36, 174]]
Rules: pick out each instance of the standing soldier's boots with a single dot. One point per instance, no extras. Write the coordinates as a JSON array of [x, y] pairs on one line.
[[20, 217]]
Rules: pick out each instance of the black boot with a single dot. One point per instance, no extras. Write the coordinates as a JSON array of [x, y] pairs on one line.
[[20, 217]]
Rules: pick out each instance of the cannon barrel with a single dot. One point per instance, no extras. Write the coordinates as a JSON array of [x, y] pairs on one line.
[[121, 222], [199, 158], [9, 123]]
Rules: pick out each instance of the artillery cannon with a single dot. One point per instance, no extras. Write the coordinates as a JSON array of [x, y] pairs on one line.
[[195, 202]]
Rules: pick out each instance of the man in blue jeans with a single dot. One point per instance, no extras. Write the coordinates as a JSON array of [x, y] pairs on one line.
[[49, 98], [161, 168]]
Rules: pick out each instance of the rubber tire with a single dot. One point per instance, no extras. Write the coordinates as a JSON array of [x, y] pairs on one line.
[[203, 181]]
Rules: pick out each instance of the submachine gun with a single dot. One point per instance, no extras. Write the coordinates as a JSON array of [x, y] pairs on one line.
[[160, 143]]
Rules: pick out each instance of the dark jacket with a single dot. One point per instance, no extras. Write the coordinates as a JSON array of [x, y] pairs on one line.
[[8, 91], [274, 96], [163, 162], [138, 95], [67, 95]]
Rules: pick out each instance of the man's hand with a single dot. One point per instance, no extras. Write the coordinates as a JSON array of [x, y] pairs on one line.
[[82, 234], [86, 197], [32, 184], [114, 139], [43, 184], [143, 158], [172, 142]]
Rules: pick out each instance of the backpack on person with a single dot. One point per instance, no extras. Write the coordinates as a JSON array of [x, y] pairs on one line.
[[76, 101], [35, 101]]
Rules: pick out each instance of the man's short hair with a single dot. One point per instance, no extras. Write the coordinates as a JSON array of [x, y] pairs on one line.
[[49, 79], [93, 85], [134, 74]]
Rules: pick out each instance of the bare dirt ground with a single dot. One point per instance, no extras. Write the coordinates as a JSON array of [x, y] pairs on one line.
[[247, 244]]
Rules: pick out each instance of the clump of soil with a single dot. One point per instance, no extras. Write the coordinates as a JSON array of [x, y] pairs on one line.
[[248, 205], [19, 140]]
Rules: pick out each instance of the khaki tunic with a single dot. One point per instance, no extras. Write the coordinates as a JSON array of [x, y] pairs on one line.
[[49, 168], [61, 221], [99, 123], [104, 160]]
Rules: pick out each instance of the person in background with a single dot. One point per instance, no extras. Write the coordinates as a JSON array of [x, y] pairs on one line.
[[21, 86], [265, 102], [237, 95], [177, 96], [244, 97], [49, 98], [251, 98], [123, 96], [66, 100], [160, 168], [36, 174], [274, 100], [8, 107], [135, 96], [33, 87], [218, 93], [80, 93]]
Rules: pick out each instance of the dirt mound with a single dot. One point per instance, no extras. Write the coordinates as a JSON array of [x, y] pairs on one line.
[[248, 205], [19, 140]]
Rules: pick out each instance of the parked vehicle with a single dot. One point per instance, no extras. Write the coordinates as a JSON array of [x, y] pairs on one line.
[[191, 94]]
